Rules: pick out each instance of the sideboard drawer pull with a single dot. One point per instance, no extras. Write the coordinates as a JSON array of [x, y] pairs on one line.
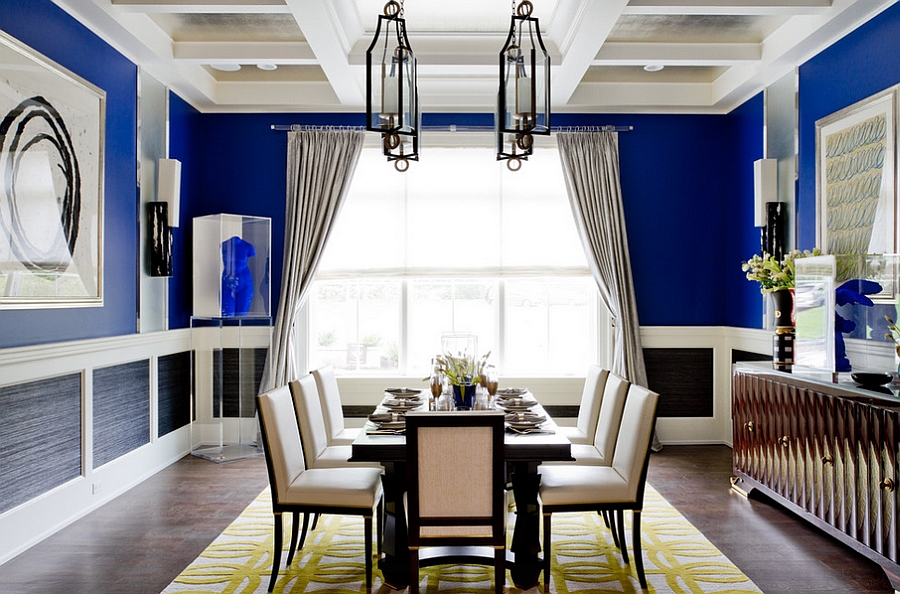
[[785, 440], [827, 459], [887, 484]]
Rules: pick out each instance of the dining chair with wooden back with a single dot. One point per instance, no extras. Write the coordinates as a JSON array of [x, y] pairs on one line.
[[617, 487], [456, 477], [589, 408], [296, 489], [332, 407]]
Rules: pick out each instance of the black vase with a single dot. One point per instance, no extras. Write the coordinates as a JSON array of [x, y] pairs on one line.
[[783, 300]]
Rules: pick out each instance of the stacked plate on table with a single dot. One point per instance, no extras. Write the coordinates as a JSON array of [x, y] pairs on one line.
[[516, 404], [403, 392], [402, 404], [524, 420], [511, 392], [390, 423]]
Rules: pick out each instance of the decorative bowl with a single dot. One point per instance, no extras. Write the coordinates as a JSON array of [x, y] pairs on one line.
[[871, 379]]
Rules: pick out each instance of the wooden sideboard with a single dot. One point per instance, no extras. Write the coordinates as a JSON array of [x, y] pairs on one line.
[[825, 450]]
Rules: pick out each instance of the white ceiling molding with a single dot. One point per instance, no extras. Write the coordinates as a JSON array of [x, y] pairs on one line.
[[717, 53]]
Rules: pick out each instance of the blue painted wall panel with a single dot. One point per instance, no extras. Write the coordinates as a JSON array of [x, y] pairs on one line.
[[47, 29]]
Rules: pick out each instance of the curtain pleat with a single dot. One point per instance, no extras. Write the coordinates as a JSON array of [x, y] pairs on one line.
[[320, 166], [590, 162]]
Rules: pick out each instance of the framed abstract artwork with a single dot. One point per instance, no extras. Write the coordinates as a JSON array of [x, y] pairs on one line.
[[51, 183], [856, 178]]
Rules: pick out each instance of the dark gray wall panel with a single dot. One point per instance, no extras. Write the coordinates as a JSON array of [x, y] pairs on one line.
[[684, 380], [248, 364], [174, 392], [121, 410], [737, 355], [40, 437]]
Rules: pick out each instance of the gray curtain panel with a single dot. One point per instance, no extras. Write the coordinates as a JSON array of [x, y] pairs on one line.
[[590, 162], [320, 166]]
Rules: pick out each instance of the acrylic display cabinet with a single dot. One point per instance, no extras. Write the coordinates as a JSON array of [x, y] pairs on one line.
[[231, 266], [229, 355]]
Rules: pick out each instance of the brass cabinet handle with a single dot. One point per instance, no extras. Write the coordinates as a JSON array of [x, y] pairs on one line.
[[784, 441], [749, 426], [827, 459], [887, 484]]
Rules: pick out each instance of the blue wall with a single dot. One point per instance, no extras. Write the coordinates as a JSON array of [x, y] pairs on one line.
[[44, 27], [859, 65], [686, 180]]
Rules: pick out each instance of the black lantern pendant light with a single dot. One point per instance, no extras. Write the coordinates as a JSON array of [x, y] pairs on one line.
[[392, 99], [523, 103]]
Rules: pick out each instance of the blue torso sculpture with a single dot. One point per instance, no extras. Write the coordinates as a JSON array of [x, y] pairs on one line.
[[237, 280]]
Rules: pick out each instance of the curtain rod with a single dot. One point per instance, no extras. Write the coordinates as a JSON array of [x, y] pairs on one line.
[[457, 128], [295, 127]]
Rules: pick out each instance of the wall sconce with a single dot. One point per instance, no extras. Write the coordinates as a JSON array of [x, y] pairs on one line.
[[523, 103], [163, 215], [392, 97]]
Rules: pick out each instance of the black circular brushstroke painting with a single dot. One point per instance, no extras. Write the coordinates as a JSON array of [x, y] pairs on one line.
[[34, 124]]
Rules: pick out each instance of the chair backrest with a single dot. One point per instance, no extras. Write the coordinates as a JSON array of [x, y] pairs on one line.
[[278, 425], [330, 397], [633, 446], [308, 413], [456, 477], [591, 397], [610, 416]]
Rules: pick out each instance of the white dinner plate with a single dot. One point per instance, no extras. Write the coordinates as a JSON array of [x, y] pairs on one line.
[[511, 392]]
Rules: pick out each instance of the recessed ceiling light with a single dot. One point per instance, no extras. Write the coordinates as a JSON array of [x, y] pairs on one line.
[[226, 67], [266, 66], [653, 67]]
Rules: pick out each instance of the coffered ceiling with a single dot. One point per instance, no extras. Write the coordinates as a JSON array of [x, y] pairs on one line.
[[309, 55]]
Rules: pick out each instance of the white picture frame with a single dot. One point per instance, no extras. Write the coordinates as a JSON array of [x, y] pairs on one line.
[[52, 135]]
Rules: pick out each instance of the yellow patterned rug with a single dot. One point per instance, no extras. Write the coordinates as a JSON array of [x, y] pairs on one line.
[[677, 559]]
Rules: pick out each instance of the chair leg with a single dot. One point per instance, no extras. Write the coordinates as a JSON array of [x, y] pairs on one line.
[[276, 552], [304, 531], [610, 518], [547, 555], [379, 538], [367, 522], [295, 525], [499, 569], [636, 547], [315, 521], [413, 570], [620, 520]]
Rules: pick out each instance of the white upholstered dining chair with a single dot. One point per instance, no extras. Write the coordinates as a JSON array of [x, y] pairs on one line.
[[296, 489], [332, 408], [618, 487], [589, 408]]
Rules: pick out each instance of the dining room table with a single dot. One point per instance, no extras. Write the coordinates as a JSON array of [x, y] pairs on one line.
[[524, 451]]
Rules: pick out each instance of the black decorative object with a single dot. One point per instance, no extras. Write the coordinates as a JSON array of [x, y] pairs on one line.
[[160, 239], [773, 232], [783, 341]]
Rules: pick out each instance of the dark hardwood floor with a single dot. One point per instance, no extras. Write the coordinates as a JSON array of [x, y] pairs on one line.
[[139, 542]]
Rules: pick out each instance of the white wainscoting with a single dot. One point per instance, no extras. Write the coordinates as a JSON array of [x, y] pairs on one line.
[[27, 524]]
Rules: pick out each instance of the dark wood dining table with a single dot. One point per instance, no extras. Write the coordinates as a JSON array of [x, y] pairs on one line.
[[524, 454]]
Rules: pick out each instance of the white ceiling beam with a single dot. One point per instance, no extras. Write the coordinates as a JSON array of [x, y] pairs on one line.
[[329, 34], [677, 54], [586, 35], [623, 96], [244, 52], [795, 42], [727, 7], [287, 96], [203, 6]]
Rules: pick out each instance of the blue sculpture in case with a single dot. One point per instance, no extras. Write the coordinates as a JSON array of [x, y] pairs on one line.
[[237, 280]]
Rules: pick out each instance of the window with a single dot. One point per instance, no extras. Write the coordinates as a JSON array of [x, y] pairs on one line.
[[456, 244]]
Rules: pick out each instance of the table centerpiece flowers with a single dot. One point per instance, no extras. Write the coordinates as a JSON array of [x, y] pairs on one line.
[[463, 372]]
